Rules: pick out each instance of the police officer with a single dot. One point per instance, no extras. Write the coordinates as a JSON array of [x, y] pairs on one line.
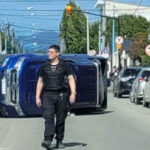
[[51, 96]]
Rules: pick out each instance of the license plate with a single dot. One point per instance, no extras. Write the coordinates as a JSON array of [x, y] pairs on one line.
[[3, 86]]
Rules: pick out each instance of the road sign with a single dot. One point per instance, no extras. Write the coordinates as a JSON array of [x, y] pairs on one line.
[[119, 40], [147, 50], [104, 52], [92, 52]]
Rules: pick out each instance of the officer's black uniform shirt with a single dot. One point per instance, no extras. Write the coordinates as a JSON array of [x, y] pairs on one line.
[[54, 75]]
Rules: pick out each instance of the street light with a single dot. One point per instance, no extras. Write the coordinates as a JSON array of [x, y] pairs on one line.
[[30, 45], [32, 14], [22, 40], [33, 24], [35, 43], [34, 30], [29, 8]]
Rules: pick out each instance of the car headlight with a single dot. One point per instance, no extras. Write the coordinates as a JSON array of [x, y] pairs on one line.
[[3, 85], [5, 62], [19, 63]]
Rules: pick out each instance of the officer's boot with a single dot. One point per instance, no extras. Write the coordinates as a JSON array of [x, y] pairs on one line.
[[47, 144], [59, 144]]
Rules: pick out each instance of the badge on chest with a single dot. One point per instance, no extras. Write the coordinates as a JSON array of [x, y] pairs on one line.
[[53, 68]]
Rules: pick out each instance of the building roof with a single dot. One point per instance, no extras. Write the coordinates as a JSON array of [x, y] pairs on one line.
[[119, 9]]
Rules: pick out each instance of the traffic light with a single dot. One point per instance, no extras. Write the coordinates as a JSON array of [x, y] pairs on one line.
[[68, 10], [119, 46]]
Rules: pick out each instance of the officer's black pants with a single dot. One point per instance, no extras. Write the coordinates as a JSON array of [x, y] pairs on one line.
[[54, 103]]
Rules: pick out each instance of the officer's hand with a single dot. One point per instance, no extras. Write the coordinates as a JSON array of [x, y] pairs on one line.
[[72, 98], [38, 102]]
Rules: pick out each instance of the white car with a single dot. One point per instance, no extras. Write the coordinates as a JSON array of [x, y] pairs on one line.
[[136, 94], [146, 96]]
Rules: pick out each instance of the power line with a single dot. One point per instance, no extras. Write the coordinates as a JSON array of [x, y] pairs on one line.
[[41, 29], [27, 15], [56, 10], [44, 1], [138, 6]]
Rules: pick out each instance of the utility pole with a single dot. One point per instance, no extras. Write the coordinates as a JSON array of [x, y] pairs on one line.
[[12, 42], [87, 20], [0, 41], [119, 52], [113, 32], [100, 27], [113, 38], [12, 45], [6, 40], [103, 25]]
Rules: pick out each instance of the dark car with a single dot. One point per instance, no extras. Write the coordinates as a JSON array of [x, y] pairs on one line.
[[123, 83], [19, 74]]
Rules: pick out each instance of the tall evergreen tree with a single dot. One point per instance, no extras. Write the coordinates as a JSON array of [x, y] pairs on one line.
[[94, 35], [73, 30]]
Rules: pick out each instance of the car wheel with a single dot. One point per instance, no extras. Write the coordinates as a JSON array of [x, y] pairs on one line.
[[131, 98], [119, 95], [114, 94], [145, 104], [137, 101]]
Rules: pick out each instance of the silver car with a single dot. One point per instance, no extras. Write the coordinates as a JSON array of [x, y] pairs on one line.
[[146, 94], [136, 94]]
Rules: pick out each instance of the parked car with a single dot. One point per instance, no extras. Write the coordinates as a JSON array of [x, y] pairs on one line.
[[136, 94], [123, 82], [19, 74], [146, 93]]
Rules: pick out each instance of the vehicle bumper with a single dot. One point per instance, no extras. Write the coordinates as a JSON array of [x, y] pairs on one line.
[[87, 106], [124, 89], [140, 96], [8, 110]]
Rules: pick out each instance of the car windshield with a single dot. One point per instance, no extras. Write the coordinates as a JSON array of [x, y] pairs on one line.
[[146, 74], [131, 72]]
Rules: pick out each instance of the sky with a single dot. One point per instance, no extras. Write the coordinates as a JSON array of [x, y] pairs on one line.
[[29, 17]]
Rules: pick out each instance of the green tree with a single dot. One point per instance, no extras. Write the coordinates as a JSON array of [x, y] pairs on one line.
[[94, 35], [128, 25], [137, 48], [73, 30]]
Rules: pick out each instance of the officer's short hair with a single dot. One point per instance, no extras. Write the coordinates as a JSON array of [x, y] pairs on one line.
[[55, 47]]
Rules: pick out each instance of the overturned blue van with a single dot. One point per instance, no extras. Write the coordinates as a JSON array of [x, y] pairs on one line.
[[19, 75]]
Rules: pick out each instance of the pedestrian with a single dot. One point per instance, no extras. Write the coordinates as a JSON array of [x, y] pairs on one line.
[[52, 96]]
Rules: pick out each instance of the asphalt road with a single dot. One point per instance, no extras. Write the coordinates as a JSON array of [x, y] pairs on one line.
[[123, 126]]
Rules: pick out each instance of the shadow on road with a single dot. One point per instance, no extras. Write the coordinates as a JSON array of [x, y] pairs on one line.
[[73, 113], [78, 113], [94, 113], [123, 97], [73, 144]]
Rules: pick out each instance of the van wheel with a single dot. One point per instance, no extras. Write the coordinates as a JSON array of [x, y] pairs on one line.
[[114, 94], [145, 104], [119, 95], [137, 101]]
